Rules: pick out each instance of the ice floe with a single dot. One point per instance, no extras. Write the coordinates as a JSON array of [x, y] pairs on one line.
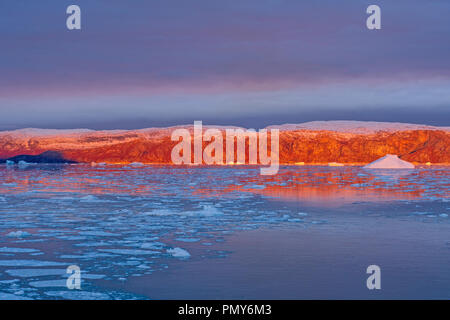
[[130, 251], [18, 250], [29, 263], [78, 295], [18, 234], [9, 296], [26, 273], [178, 253]]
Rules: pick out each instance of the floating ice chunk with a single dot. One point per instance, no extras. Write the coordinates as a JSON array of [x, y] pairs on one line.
[[206, 211], [24, 164], [160, 213], [78, 295], [29, 263], [187, 239], [443, 215], [335, 164], [10, 163], [17, 250], [92, 244], [89, 255], [49, 283], [92, 276], [420, 213], [12, 184], [178, 253], [389, 161], [90, 198], [302, 214], [98, 233], [18, 234], [9, 296], [153, 245], [129, 251], [254, 186], [136, 164], [26, 273], [9, 281]]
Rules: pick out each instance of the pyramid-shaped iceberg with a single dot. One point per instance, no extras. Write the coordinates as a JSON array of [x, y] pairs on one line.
[[389, 161]]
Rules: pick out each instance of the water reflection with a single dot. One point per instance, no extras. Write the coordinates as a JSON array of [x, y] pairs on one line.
[[312, 184], [119, 222]]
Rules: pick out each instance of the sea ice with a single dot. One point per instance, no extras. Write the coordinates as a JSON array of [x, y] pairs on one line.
[[97, 233], [78, 295], [130, 251], [187, 239], [178, 253], [17, 250], [18, 234], [136, 164], [25, 273], [153, 245], [49, 283], [29, 263], [9, 296]]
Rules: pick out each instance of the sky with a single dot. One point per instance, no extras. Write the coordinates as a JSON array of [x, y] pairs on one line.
[[252, 63]]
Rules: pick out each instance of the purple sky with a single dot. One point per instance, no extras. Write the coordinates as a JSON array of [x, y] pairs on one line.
[[253, 63]]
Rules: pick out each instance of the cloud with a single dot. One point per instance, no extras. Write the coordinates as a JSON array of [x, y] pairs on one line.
[[171, 58]]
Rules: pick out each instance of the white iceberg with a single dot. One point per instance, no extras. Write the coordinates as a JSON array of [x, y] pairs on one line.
[[23, 164], [335, 164], [389, 161], [18, 234], [136, 164], [178, 253]]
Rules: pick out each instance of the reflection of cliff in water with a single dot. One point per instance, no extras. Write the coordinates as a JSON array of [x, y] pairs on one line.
[[325, 186]]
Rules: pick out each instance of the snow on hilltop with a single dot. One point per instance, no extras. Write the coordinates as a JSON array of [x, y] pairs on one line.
[[27, 132], [360, 127], [346, 126], [389, 161], [350, 142]]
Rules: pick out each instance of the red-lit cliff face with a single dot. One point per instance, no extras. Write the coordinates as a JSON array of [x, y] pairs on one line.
[[417, 144]]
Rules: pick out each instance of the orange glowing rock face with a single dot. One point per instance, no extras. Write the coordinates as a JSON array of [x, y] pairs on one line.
[[296, 146]]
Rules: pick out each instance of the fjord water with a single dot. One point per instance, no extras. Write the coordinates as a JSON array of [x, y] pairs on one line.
[[168, 232]]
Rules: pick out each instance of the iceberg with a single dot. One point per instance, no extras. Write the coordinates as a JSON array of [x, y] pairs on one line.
[[178, 253], [18, 234], [136, 164], [23, 164], [335, 164], [389, 161]]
